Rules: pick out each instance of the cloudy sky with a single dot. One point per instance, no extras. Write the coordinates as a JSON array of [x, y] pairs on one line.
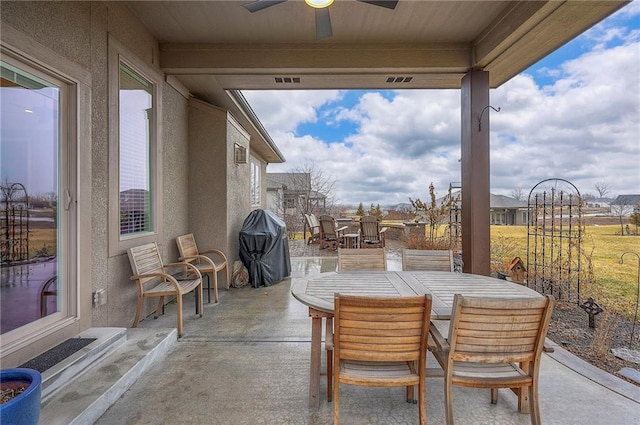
[[574, 115]]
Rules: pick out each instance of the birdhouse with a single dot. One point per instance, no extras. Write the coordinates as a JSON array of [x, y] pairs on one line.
[[517, 270]]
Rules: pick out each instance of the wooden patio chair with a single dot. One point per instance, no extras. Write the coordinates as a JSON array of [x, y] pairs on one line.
[[330, 235], [350, 259], [381, 342], [427, 259], [361, 259], [494, 343], [314, 228], [155, 279], [371, 234], [204, 262]]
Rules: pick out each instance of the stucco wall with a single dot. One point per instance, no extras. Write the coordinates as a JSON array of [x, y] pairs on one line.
[[79, 32], [218, 198], [238, 198], [203, 190]]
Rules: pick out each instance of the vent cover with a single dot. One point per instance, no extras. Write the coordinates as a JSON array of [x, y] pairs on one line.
[[287, 80], [399, 79]]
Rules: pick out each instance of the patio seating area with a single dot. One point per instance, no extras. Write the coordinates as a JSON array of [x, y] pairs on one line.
[[246, 361]]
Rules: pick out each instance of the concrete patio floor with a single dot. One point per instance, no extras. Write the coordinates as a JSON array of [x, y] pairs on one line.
[[246, 361]]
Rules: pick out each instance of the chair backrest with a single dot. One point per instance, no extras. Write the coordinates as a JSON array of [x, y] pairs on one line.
[[498, 330], [146, 259], [427, 259], [328, 227], [361, 259], [370, 228], [381, 329], [187, 246], [312, 222]]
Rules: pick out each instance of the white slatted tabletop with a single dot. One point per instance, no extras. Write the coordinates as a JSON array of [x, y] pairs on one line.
[[444, 285], [318, 292]]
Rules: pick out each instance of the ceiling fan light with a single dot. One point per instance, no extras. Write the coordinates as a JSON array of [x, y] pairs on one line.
[[319, 4]]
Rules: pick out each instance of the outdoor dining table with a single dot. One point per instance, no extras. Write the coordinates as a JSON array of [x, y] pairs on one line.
[[318, 292]]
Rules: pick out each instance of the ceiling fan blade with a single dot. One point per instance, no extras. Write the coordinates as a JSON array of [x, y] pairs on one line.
[[389, 4], [258, 5], [323, 24]]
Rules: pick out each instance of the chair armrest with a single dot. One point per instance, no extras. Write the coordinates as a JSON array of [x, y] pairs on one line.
[[440, 342], [163, 275], [189, 266], [384, 229], [342, 229], [199, 257], [215, 251]]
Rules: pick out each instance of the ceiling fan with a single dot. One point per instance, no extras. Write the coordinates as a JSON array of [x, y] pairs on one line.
[[323, 20]]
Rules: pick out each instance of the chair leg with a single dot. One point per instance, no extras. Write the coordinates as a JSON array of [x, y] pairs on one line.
[[533, 403], [139, 308], [329, 375], [179, 310], [226, 267], [422, 407], [494, 396], [448, 401], [201, 297], [336, 402], [160, 308], [214, 274], [208, 287], [329, 334]]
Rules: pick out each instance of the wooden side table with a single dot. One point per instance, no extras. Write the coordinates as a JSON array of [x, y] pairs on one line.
[[352, 240]]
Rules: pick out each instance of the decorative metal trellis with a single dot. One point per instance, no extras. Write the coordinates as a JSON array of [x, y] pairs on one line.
[[554, 234], [454, 228], [14, 223]]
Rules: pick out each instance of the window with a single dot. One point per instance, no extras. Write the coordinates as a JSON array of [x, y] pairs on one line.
[[36, 212], [135, 133], [290, 203], [135, 181], [255, 183]]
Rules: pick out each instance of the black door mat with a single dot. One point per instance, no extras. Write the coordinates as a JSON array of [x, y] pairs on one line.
[[58, 353]]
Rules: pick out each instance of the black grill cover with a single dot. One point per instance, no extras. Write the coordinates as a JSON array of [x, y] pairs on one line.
[[264, 248]]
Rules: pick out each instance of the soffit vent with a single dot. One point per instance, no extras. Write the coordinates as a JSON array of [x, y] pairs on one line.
[[287, 80], [399, 79]]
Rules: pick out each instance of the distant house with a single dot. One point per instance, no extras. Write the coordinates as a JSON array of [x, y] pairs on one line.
[[599, 203], [504, 210], [630, 203], [507, 211], [288, 191]]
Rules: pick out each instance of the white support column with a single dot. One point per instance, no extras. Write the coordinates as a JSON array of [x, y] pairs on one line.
[[476, 240]]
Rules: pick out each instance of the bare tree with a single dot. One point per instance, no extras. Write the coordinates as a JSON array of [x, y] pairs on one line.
[[621, 211], [315, 192], [517, 194], [602, 188], [434, 214]]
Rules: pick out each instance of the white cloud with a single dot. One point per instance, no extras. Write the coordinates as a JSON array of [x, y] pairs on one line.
[[585, 127]]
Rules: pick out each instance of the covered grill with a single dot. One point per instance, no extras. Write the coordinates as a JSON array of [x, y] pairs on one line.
[[264, 248]]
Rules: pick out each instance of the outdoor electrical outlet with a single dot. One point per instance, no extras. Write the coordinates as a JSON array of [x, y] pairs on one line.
[[99, 297]]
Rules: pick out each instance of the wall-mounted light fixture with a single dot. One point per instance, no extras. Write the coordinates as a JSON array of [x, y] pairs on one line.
[[240, 154], [482, 113]]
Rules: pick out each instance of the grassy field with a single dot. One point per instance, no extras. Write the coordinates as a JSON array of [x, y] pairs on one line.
[[42, 242], [615, 284]]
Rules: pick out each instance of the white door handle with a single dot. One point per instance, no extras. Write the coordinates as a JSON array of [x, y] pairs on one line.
[[67, 201]]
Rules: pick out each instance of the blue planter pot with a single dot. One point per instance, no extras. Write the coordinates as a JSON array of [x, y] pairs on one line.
[[25, 408]]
